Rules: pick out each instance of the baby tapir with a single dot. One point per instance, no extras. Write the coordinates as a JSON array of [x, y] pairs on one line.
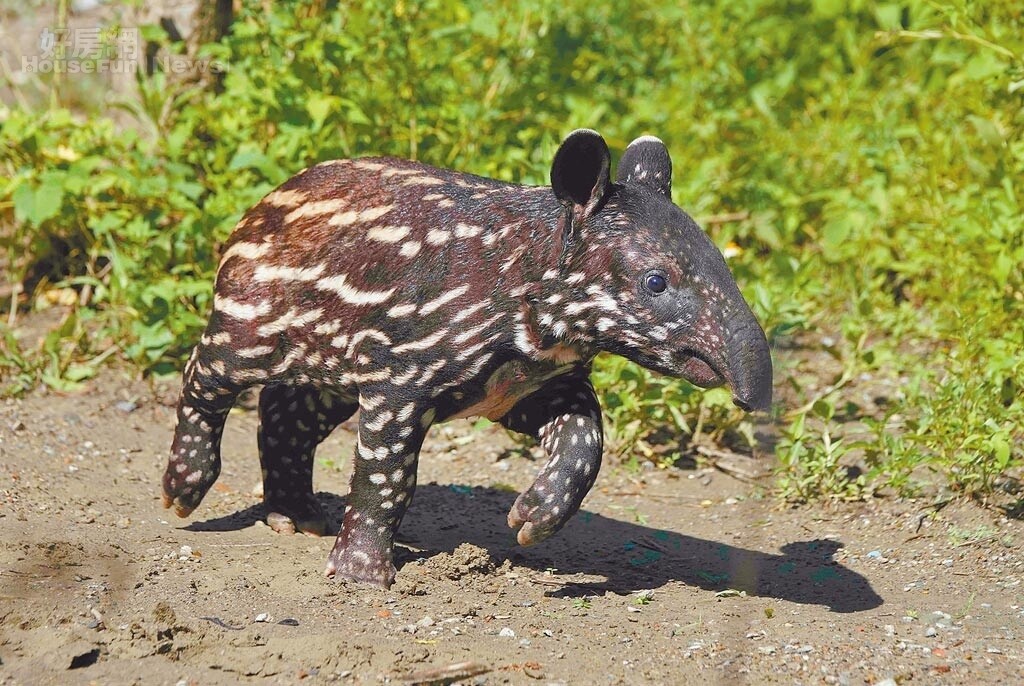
[[417, 295]]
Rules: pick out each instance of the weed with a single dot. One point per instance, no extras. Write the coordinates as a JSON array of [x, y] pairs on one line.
[[810, 458]]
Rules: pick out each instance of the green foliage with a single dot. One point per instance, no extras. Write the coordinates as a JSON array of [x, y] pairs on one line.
[[864, 160], [810, 458], [581, 604]]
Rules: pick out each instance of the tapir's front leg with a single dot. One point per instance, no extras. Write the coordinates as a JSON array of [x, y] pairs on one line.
[[564, 415], [391, 432]]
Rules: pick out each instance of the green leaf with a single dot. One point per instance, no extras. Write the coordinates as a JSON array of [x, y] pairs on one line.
[[24, 203], [319, 106], [889, 15], [987, 130], [247, 156], [823, 409]]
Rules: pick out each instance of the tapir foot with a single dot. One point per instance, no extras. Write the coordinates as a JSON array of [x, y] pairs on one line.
[[183, 491], [307, 517], [361, 559], [537, 516]]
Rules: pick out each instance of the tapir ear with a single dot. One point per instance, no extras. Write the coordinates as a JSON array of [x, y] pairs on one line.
[[646, 162], [580, 172]]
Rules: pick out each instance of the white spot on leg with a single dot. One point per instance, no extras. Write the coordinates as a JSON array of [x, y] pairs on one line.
[[405, 412], [380, 420]]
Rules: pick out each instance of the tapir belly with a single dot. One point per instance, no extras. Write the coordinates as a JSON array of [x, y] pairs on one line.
[[506, 386]]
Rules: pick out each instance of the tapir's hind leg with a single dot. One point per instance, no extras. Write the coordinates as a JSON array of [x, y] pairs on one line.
[[208, 392], [565, 416], [293, 421]]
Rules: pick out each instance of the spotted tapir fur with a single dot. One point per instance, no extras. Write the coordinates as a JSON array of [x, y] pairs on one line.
[[417, 295]]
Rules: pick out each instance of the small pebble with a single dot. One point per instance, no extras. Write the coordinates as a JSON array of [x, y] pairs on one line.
[[930, 632], [263, 617], [875, 554], [507, 633], [126, 406]]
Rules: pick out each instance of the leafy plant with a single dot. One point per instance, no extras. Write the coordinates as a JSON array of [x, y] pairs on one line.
[[811, 457], [859, 162]]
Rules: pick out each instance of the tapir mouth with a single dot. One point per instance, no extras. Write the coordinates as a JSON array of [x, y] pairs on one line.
[[700, 373], [746, 369]]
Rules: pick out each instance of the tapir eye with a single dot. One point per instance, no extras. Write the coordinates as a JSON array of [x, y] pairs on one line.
[[655, 283]]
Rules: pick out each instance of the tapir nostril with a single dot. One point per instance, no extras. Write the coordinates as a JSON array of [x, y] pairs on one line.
[[749, 367]]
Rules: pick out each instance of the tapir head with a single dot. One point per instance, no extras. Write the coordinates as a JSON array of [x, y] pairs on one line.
[[646, 282]]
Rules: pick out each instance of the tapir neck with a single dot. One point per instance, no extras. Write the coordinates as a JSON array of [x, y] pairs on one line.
[[523, 253]]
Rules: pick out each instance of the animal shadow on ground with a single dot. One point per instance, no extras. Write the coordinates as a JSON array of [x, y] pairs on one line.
[[630, 556]]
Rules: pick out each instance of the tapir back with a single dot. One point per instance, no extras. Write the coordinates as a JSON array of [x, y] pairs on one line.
[[352, 244]]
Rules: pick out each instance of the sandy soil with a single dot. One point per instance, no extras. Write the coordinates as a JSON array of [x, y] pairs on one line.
[[667, 576]]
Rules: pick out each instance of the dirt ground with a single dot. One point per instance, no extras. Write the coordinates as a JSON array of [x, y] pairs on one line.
[[664, 577]]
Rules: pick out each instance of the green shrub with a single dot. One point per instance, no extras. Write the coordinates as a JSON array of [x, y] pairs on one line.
[[863, 158]]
